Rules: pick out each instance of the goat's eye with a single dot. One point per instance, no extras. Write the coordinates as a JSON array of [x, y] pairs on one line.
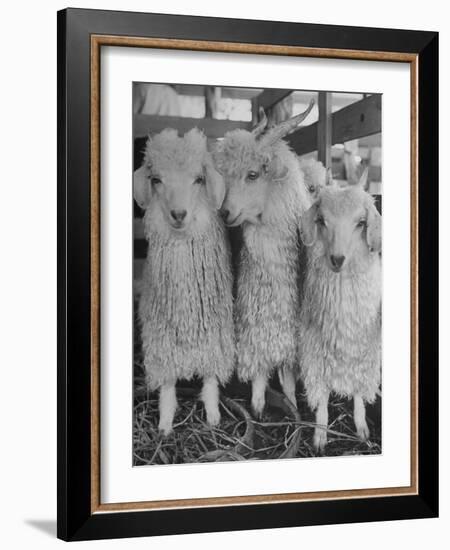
[[311, 188], [155, 180], [252, 175], [320, 221], [199, 180], [362, 223]]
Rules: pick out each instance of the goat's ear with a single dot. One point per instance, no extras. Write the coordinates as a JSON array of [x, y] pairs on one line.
[[363, 179], [329, 177], [215, 185], [142, 190], [308, 227], [275, 167], [373, 229]]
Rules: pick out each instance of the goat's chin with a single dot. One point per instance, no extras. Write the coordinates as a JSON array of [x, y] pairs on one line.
[[254, 219], [178, 227], [234, 223]]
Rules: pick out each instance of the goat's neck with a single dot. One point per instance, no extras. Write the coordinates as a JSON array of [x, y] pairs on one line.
[[349, 298]]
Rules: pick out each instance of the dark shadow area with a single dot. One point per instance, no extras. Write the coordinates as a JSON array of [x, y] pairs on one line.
[[46, 526]]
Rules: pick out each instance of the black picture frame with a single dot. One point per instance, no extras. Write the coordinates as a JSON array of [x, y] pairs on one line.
[[76, 521]]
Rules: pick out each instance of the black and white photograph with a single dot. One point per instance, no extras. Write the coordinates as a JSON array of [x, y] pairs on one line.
[[247, 275], [257, 273]]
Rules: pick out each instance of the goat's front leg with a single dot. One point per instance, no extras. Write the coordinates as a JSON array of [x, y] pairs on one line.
[[359, 417], [167, 407], [320, 431], [259, 384], [210, 397], [287, 381]]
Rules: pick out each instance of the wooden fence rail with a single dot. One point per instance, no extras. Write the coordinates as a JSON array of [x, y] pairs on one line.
[[269, 98], [213, 128], [360, 119]]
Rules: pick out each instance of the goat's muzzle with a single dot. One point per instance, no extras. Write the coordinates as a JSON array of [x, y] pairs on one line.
[[229, 219], [337, 262]]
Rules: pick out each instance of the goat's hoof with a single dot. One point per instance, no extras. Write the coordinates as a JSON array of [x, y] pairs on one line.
[[363, 432], [320, 441], [258, 408], [165, 429], [213, 418]]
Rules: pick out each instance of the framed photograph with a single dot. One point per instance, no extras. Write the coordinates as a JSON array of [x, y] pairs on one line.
[[247, 274]]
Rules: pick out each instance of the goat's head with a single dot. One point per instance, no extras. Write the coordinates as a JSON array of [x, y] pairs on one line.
[[250, 163], [178, 178], [316, 176], [345, 222]]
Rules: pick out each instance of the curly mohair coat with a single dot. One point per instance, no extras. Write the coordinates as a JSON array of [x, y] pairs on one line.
[[268, 299], [340, 323], [340, 335], [185, 307], [267, 306]]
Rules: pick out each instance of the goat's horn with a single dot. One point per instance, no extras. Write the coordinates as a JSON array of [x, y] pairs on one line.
[[261, 126], [285, 128]]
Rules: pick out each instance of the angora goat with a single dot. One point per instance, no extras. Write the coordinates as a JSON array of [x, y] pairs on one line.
[[266, 194], [186, 298], [340, 327]]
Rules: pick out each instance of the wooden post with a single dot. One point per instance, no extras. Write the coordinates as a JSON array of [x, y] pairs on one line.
[[324, 129], [212, 95], [255, 108]]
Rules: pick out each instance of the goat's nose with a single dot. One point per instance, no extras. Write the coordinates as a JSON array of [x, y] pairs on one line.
[[178, 215], [337, 261], [225, 213]]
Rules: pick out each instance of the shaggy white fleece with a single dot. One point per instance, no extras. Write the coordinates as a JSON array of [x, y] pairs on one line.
[[185, 306], [269, 272], [340, 324]]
